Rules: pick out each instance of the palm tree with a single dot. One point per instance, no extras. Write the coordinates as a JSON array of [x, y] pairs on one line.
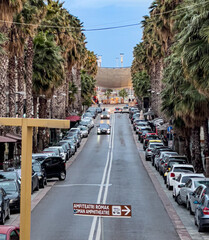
[[48, 72], [123, 93], [108, 93]]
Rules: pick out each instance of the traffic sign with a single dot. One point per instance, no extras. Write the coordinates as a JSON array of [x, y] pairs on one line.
[[102, 210]]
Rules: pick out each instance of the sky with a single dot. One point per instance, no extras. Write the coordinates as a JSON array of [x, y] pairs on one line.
[[109, 44]]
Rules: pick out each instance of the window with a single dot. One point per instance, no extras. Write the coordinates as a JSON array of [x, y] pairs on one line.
[[178, 178], [202, 200], [3, 237], [14, 236], [188, 184]]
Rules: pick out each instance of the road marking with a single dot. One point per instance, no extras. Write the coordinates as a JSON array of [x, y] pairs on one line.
[[99, 228], [75, 185], [93, 225]]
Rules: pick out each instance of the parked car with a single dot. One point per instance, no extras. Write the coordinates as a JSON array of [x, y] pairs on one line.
[[4, 206], [148, 152], [9, 175], [125, 109], [12, 189], [99, 109], [86, 123], [143, 130], [118, 110], [34, 180], [182, 186], [162, 162], [67, 149], [87, 114], [50, 152], [72, 145], [103, 128], [156, 151], [175, 171], [77, 136], [172, 161], [105, 115], [63, 154], [9, 232], [201, 218], [201, 188], [84, 131], [40, 173], [139, 125], [55, 167]]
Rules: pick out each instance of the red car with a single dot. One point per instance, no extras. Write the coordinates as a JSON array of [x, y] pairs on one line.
[[9, 232]]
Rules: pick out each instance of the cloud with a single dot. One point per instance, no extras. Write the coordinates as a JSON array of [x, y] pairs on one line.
[[102, 3]]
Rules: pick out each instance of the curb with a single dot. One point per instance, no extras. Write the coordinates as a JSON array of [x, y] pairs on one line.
[[178, 225]]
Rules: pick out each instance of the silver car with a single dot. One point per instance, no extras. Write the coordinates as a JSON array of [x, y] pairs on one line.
[[148, 152]]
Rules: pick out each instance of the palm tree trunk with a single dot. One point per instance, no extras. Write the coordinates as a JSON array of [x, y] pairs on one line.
[[206, 138], [42, 131], [196, 150], [12, 88], [29, 77], [35, 129], [21, 82]]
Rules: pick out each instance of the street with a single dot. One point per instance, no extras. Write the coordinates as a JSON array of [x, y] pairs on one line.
[[108, 170]]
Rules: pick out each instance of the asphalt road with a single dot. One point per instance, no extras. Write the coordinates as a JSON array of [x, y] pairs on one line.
[[108, 170]]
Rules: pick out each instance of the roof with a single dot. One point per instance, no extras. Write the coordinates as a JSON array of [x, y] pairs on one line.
[[113, 77], [74, 118], [7, 140], [5, 228]]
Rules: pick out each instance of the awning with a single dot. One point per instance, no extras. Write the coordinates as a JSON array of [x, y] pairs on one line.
[[73, 118], [7, 140], [149, 113], [15, 137], [163, 127]]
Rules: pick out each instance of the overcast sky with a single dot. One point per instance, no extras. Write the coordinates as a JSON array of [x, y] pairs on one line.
[[110, 13]]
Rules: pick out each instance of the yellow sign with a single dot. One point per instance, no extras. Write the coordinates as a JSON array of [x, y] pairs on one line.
[[26, 163]]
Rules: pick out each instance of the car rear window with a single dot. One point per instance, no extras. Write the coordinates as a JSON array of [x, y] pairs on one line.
[[183, 169], [203, 182], [186, 178]]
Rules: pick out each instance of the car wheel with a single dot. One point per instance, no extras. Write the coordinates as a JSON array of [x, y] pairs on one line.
[[62, 176], [178, 199], [42, 183], [195, 221], [8, 215], [169, 187], [45, 181], [165, 180], [199, 227], [146, 158], [3, 219], [37, 187]]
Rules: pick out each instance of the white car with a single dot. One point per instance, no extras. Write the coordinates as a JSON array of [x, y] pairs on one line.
[[125, 109], [84, 131], [176, 169], [63, 154], [151, 146], [182, 179]]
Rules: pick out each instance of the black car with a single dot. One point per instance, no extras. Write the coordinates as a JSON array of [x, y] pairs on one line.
[[41, 173], [54, 167], [4, 205], [103, 128], [12, 189]]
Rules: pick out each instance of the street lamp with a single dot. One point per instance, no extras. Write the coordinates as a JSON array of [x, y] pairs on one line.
[[121, 58]]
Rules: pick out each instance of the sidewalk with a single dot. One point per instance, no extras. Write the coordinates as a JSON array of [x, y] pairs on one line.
[[179, 215]]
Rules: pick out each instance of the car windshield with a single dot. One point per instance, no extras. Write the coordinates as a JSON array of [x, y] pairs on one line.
[[84, 123], [3, 236], [171, 163], [152, 137], [155, 144], [7, 175], [8, 186], [104, 125], [203, 182], [183, 169], [83, 128], [104, 113]]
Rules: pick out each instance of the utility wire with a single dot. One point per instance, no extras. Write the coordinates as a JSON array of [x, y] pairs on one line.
[[106, 28]]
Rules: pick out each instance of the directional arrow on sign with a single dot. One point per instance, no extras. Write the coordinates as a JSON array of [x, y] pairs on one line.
[[127, 210]]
